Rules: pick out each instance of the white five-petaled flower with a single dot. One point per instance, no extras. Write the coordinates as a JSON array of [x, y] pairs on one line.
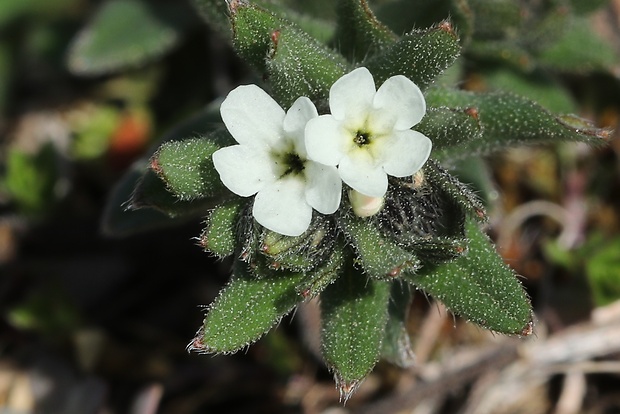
[[271, 161], [368, 135]]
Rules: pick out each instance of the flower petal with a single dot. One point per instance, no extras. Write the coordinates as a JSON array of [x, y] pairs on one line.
[[253, 117], [326, 140], [406, 153], [299, 114], [401, 99], [282, 207], [323, 187], [243, 170], [351, 96], [363, 176]]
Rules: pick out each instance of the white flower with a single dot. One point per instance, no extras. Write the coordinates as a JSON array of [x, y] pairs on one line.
[[368, 133], [271, 161]]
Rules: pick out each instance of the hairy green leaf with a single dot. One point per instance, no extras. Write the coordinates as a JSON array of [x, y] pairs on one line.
[[186, 167], [379, 257], [508, 120], [220, 234], [359, 34], [353, 319], [396, 346], [294, 63], [420, 55], [246, 309], [448, 128], [479, 287]]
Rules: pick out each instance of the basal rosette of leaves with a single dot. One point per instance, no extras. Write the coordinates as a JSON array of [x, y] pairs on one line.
[[425, 234]]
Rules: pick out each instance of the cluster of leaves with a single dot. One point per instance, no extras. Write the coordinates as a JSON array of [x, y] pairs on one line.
[[364, 270]]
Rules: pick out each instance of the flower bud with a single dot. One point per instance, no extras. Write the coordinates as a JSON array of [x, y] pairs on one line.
[[365, 206]]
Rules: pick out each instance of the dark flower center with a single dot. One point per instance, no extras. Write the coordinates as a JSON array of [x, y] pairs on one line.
[[293, 164], [361, 138]]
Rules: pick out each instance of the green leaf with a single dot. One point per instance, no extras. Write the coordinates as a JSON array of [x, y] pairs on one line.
[[508, 120], [294, 63], [186, 167], [448, 127], [479, 287], [379, 257], [359, 34], [458, 192], [220, 235], [318, 279], [353, 319], [396, 343], [580, 50], [119, 220], [420, 55], [127, 33], [246, 309], [151, 192]]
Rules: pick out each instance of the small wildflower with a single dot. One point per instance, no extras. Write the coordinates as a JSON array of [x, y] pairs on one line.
[[271, 161], [367, 135]]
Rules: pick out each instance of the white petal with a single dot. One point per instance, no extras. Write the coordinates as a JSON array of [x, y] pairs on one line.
[[323, 187], [253, 117], [363, 176], [243, 170], [402, 99], [299, 114], [351, 95], [326, 140], [281, 207], [407, 152]]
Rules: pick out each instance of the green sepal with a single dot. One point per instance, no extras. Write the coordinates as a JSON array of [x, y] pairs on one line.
[[353, 319], [458, 192], [186, 167], [438, 249], [396, 346], [298, 65], [295, 63], [448, 127], [379, 257], [479, 287], [220, 234], [127, 33], [420, 55], [508, 120], [318, 279], [359, 35], [303, 252], [246, 309]]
